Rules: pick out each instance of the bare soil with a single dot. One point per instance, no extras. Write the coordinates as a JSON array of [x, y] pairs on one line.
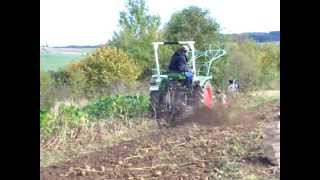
[[206, 146]]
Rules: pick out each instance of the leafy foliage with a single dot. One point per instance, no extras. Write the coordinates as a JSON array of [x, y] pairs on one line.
[[105, 107], [100, 70], [45, 81], [44, 115], [67, 116], [269, 65], [254, 65], [46, 87], [46, 119], [193, 23], [138, 29], [117, 106], [108, 65]]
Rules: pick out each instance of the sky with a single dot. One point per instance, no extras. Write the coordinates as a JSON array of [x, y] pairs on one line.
[[92, 22]]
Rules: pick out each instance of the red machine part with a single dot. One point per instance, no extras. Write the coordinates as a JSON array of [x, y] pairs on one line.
[[208, 95]]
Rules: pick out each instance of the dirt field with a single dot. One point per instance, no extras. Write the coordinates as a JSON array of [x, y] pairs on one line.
[[215, 146]]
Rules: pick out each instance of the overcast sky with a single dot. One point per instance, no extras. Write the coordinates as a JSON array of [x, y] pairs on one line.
[[92, 22]]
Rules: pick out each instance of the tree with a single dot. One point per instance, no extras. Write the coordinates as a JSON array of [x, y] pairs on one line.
[[102, 71], [269, 64], [193, 23], [46, 85], [138, 29]]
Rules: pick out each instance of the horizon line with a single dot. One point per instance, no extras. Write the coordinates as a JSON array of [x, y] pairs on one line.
[[95, 45]]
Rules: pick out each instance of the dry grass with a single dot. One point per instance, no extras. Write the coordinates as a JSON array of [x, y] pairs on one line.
[[268, 93], [87, 137]]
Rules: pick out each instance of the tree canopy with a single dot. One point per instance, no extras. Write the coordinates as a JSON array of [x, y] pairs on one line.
[[138, 29], [193, 23]]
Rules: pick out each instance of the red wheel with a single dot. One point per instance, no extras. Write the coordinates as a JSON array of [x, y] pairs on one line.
[[208, 95]]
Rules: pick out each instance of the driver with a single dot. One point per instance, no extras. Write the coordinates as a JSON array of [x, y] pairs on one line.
[[178, 64]]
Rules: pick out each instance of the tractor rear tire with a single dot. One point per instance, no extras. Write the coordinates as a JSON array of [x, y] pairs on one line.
[[154, 107], [154, 103], [198, 97], [180, 110]]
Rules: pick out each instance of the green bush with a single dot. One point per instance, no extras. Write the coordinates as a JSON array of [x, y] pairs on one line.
[[269, 65], [71, 115], [77, 85], [97, 73], [74, 113], [45, 81], [108, 65], [66, 117], [255, 65], [60, 77], [46, 89], [46, 120], [117, 106], [44, 116], [121, 107]]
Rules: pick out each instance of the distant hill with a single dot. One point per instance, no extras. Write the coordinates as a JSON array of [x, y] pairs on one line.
[[273, 36], [67, 50], [77, 46]]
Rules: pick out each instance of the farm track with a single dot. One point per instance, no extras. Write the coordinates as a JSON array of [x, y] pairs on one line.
[[194, 150]]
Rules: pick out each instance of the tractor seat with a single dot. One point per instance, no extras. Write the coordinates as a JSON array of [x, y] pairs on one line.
[[175, 76]]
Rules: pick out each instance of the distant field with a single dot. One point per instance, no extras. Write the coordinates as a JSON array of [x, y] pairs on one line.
[[55, 58]]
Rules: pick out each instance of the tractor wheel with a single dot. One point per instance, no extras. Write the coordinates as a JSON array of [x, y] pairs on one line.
[[172, 108], [154, 102], [154, 107], [203, 97], [198, 97], [179, 109]]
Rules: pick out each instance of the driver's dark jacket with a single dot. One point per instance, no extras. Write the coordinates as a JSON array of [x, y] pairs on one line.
[[178, 63]]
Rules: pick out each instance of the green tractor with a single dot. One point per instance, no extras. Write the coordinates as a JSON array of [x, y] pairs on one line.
[[170, 99]]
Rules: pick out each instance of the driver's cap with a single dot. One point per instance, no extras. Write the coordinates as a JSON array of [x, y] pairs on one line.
[[186, 48]]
